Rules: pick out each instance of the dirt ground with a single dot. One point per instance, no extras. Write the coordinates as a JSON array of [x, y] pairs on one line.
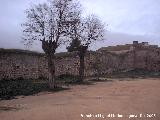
[[138, 99]]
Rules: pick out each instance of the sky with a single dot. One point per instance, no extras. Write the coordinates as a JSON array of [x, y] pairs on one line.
[[126, 21]]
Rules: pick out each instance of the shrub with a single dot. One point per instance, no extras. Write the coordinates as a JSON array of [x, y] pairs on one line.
[[11, 88]]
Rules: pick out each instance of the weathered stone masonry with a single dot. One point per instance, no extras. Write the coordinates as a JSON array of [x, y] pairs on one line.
[[27, 64]]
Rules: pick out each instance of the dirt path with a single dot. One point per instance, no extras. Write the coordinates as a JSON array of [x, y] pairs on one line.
[[140, 97]]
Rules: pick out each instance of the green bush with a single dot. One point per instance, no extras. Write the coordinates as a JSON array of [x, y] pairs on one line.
[[11, 88]]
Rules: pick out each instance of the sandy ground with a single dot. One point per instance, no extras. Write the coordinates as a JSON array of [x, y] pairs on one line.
[[139, 100]]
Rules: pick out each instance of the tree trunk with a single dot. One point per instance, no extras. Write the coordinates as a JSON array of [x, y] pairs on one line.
[[82, 51], [49, 48], [51, 70], [81, 68]]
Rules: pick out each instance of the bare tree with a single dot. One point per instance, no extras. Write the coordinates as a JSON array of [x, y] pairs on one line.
[[49, 23], [85, 32]]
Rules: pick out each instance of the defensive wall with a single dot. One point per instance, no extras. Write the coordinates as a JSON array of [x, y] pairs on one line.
[[27, 64]]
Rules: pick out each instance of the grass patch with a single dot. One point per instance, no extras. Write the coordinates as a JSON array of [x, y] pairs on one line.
[[11, 88], [67, 79], [137, 73], [73, 80]]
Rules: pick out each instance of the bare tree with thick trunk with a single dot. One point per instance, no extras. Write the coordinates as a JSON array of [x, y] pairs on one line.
[[50, 23], [85, 32]]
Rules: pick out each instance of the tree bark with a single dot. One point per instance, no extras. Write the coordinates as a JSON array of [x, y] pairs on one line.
[[51, 70], [49, 48], [81, 68], [82, 51]]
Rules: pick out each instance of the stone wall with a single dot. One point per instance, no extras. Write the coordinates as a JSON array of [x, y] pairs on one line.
[[26, 64], [17, 63], [147, 58]]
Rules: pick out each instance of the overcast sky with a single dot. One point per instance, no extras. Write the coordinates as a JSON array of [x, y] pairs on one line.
[[127, 20]]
